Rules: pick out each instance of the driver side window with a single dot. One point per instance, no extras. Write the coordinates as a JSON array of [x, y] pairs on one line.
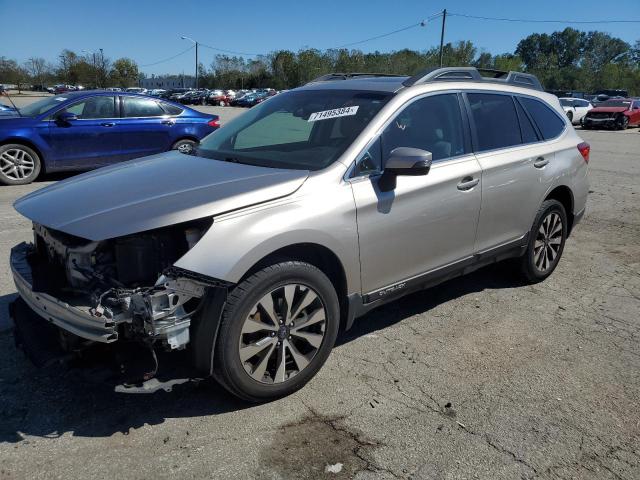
[[431, 123], [94, 107]]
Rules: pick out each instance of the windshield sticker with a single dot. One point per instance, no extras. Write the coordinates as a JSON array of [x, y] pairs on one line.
[[60, 99], [335, 113]]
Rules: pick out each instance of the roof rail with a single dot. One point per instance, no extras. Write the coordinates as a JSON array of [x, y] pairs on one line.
[[345, 76], [453, 74]]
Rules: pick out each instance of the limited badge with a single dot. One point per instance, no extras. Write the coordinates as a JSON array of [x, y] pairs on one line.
[[335, 113]]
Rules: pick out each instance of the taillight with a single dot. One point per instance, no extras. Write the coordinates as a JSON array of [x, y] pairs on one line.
[[584, 148], [215, 123]]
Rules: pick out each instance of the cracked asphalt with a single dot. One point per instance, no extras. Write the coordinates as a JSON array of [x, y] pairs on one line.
[[482, 377]]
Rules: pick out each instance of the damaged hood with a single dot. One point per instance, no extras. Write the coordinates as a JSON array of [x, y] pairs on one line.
[[153, 192]]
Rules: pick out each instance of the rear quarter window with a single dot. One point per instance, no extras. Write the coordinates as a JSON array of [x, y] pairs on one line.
[[171, 109], [548, 122]]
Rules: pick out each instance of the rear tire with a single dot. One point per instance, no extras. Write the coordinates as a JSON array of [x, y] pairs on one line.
[[185, 146], [258, 358], [19, 164], [546, 242]]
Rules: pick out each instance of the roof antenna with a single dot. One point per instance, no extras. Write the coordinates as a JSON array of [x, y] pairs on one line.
[[6, 93]]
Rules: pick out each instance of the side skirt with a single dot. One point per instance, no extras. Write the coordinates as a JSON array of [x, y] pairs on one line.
[[358, 305]]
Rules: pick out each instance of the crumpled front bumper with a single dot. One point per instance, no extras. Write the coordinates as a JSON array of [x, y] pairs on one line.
[[75, 319]]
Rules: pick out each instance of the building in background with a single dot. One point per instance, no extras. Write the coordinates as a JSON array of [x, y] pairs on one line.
[[167, 82]]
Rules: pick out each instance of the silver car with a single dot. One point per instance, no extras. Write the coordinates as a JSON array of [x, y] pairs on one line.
[[301, 215]]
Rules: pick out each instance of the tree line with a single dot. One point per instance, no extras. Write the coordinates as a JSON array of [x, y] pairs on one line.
[[89, 69], [563, 60]]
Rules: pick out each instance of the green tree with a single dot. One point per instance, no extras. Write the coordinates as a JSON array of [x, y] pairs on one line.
[[124, 73]]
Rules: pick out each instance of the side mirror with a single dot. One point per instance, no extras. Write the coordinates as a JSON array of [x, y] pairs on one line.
[[66, 117], [408, 161], [404, 161]]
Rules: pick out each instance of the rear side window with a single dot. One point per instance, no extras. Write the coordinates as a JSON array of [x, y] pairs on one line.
[[495, 119], [529, 134], [549, 124], [171, 109], [140, 107]]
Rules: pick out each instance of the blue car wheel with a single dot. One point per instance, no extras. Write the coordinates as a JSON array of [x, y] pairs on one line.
[[19, 164]]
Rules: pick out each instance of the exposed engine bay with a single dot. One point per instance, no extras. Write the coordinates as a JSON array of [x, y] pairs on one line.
[[127, 283]]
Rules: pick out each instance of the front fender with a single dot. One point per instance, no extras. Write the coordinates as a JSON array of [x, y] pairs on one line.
[[237, 241]]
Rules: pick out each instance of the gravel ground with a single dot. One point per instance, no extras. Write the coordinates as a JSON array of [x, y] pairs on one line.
[[481, 377]]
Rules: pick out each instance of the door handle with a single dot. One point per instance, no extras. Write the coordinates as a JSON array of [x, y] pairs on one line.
[[167, 122], [467, 183], [540, 162], [107, 124]]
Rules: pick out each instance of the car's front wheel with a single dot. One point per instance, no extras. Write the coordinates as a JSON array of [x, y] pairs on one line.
[[278, 328], [570, 116], [622, 122], [19, 164], [546, 241]]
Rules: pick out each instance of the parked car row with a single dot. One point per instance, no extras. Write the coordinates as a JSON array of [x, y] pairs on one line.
[[221, 98]]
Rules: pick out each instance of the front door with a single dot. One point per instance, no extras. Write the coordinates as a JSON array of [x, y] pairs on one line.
[[92, 140], [425, 222]]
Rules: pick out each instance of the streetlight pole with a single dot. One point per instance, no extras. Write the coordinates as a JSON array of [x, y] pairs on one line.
[[444, 19], [95, 66], [196, 44]]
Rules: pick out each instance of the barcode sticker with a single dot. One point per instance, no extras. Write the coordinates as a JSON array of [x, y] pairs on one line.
[[336, 112]]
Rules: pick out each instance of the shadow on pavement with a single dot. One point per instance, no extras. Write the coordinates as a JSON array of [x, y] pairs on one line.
[[81, 400]]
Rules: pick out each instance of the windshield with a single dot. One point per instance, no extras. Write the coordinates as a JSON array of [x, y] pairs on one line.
[[304, 130], [615, 103], [41, 106]]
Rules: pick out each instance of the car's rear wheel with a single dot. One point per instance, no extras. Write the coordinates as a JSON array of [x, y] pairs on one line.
[[221, 103], [278, 328], [19, 164], [546, 242], [185, 146]]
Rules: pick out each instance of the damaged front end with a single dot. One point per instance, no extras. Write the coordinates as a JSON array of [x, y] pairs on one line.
[[121, 288]]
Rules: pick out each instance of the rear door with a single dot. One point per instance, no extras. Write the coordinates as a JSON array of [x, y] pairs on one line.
[[92, 140], [516, 162], [145, 126]]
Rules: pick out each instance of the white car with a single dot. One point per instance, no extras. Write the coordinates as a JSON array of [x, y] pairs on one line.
[[575, 108]]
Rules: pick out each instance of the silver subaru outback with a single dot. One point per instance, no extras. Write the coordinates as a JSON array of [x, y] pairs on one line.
[[303, 214]]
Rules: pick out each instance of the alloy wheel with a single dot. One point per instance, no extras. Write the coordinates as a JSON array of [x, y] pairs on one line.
[[548, 242], [16, 164], [186, 148], [282, 333]]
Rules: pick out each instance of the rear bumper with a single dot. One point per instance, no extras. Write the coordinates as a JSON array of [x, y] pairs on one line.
[[75, 319]]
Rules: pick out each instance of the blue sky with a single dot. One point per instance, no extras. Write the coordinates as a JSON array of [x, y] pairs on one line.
[[148, 31]]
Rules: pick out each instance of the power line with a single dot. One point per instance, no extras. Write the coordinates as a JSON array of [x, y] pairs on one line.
[[250, 54], [525, 20], [169, 58]]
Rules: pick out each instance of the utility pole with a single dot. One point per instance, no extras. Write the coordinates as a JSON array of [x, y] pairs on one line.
[[196, 44], [444, 19]]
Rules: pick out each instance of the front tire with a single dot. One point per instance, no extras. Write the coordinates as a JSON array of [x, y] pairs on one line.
[[570, 116], [19, 164], [277, 330], [622, 123], [546, 242]]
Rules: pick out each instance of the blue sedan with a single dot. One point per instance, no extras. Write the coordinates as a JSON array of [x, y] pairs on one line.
[[85, 130]]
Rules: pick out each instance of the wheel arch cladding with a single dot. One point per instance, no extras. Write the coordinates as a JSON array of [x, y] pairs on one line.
[[564, 195], [321, 257]]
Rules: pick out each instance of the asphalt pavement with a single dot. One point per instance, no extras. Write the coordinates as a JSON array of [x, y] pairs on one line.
[[481, 377]]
